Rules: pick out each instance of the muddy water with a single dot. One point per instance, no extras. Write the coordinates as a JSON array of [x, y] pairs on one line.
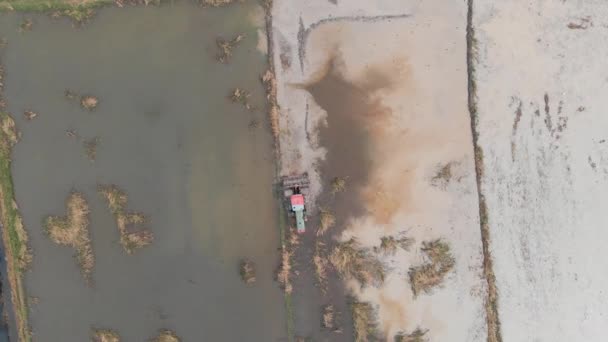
[[184, 154], [347, 140]]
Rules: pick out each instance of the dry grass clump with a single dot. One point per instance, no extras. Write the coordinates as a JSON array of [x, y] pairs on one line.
[[285, 269], [166, 336], [329, 318], [364, 322], [326, 220], [238, 95], [351, 261], [321, 265], [105, 335], [417, 335], [219, 3], [89, 102], [30, 115], [72, 230], [247, 270], [132, 235], [389, 244], [226, 46], [338, 184], [90, 148], [9, 129], [424, 278], [270, 82]]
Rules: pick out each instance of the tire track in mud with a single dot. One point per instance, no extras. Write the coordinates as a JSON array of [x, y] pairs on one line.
[[491, 302], [303, 33]]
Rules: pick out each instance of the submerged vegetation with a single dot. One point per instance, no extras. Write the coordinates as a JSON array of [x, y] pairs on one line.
[[105, 335], [17, 254], [30, 115], [225, 47], [72, 230], [352, 261], [166, 336], [426, 277], [26, 25], [90, 148], [238, 95], [364, 321], [132, 235], [247, 271], [417, 335]]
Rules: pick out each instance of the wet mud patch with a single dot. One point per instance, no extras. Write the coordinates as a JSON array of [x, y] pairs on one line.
[[351, 115], [354, 117]]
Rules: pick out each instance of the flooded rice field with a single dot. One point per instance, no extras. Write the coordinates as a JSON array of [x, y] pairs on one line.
[[197, 166]]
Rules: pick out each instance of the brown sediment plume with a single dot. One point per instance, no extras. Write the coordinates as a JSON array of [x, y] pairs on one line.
[[132, 235], [72, 230]]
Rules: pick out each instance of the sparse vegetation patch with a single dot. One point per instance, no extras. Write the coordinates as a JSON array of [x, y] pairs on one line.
[[105, 335], [247, 270], [417, 335], [321, 265], [166, 336], [89, 102], [270, 82], [90, 148], [132, 235], [329, 319], [443, 176], [338, 184], [390, 244], [430, 275], [364, 322], [238, 95], [352, 261], [225, 47], [72, 230], [26, 25], [219, 3], [285, 269], [326, 221], [30, 115]]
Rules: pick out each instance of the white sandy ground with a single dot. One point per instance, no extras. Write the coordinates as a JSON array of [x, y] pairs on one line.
[[424, 55], [546, 190]]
